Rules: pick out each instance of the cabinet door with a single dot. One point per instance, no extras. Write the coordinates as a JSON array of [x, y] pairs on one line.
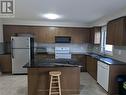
[[82, 61], [92, 67], [116, 32], [95, 35], [42, 35], [119, 30], [34, 31], [110, 33], [89, 61], [8, 31], [50, 35], [5, 62], [92, 35], [47, 34], [86, 35]]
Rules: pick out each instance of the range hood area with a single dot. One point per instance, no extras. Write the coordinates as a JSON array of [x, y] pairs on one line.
[[62, 39]]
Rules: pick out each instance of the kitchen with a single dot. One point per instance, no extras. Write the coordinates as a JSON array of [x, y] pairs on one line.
[[76, 46]]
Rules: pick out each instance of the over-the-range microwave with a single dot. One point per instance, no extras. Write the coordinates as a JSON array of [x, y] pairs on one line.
[[62, 39]]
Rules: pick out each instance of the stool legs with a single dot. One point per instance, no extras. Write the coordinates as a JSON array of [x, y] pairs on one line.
[[55, 87], [50, 86], [59, 85]]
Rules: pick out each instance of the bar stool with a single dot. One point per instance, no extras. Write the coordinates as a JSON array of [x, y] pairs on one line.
[[55, 87]]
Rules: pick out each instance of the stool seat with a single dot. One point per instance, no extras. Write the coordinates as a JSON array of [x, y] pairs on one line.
[[55, 73]]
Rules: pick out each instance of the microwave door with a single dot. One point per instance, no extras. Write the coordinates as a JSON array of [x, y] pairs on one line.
[[62, 39]]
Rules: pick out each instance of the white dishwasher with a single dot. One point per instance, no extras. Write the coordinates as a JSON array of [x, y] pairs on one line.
[[103, 75]]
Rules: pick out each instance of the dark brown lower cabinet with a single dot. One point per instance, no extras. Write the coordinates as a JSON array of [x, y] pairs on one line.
[[114, 71], [39, 79], [5, 62], [82, 61], [92, 67]]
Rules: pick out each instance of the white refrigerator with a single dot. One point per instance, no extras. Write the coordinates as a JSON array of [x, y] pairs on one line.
[[22, 53]]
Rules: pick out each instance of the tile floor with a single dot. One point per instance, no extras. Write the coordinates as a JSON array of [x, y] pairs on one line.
[[17, 85]]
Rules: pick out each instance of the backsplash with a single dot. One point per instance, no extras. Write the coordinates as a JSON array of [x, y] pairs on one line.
[[94, 48], [74, 48], [119, 52]]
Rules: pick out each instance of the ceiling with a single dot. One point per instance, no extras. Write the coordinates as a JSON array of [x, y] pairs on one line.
[[83, 11]]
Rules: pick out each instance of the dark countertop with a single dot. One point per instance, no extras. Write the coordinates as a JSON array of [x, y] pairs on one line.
[[52, 63], [6, 54], [70, 62], [104, 59]]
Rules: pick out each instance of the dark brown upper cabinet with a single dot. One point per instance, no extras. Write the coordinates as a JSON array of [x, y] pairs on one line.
[[95, 35], [116, 31], [46, 34]]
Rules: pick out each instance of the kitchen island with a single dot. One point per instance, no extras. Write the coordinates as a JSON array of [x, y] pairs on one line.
[[39, 79]]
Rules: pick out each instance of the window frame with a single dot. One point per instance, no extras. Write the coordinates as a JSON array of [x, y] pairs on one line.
[[103, 41]]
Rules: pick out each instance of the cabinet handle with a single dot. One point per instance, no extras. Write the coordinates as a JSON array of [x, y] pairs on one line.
[[12, 55]]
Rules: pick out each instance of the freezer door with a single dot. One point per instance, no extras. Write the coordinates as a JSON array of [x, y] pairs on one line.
[[20, 42], [20, 58]]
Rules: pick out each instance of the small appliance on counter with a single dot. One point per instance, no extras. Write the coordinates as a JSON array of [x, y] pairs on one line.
[[22, 52], [62, 52]]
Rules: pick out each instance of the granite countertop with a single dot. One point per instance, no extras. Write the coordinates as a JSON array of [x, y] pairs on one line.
[[52, 63], [104, 59]]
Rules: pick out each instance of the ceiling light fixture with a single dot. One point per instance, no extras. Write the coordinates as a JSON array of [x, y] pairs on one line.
[[51, 16]]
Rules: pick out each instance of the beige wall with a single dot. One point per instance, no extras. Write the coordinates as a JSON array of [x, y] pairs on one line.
[[105, 19]]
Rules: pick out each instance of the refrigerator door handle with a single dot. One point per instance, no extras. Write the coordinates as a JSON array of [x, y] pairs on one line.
[[12, 54]]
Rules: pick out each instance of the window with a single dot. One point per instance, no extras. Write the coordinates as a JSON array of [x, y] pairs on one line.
[[97, 37], [105, 48], [108, 49]]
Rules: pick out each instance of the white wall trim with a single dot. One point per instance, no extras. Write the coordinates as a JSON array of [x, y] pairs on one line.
[[43, 23]]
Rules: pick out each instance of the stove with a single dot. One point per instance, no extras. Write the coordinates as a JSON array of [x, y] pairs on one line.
[[62, 52]]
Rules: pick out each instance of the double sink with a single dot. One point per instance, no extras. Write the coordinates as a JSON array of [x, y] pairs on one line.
[[95, 55], [101, 58]]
